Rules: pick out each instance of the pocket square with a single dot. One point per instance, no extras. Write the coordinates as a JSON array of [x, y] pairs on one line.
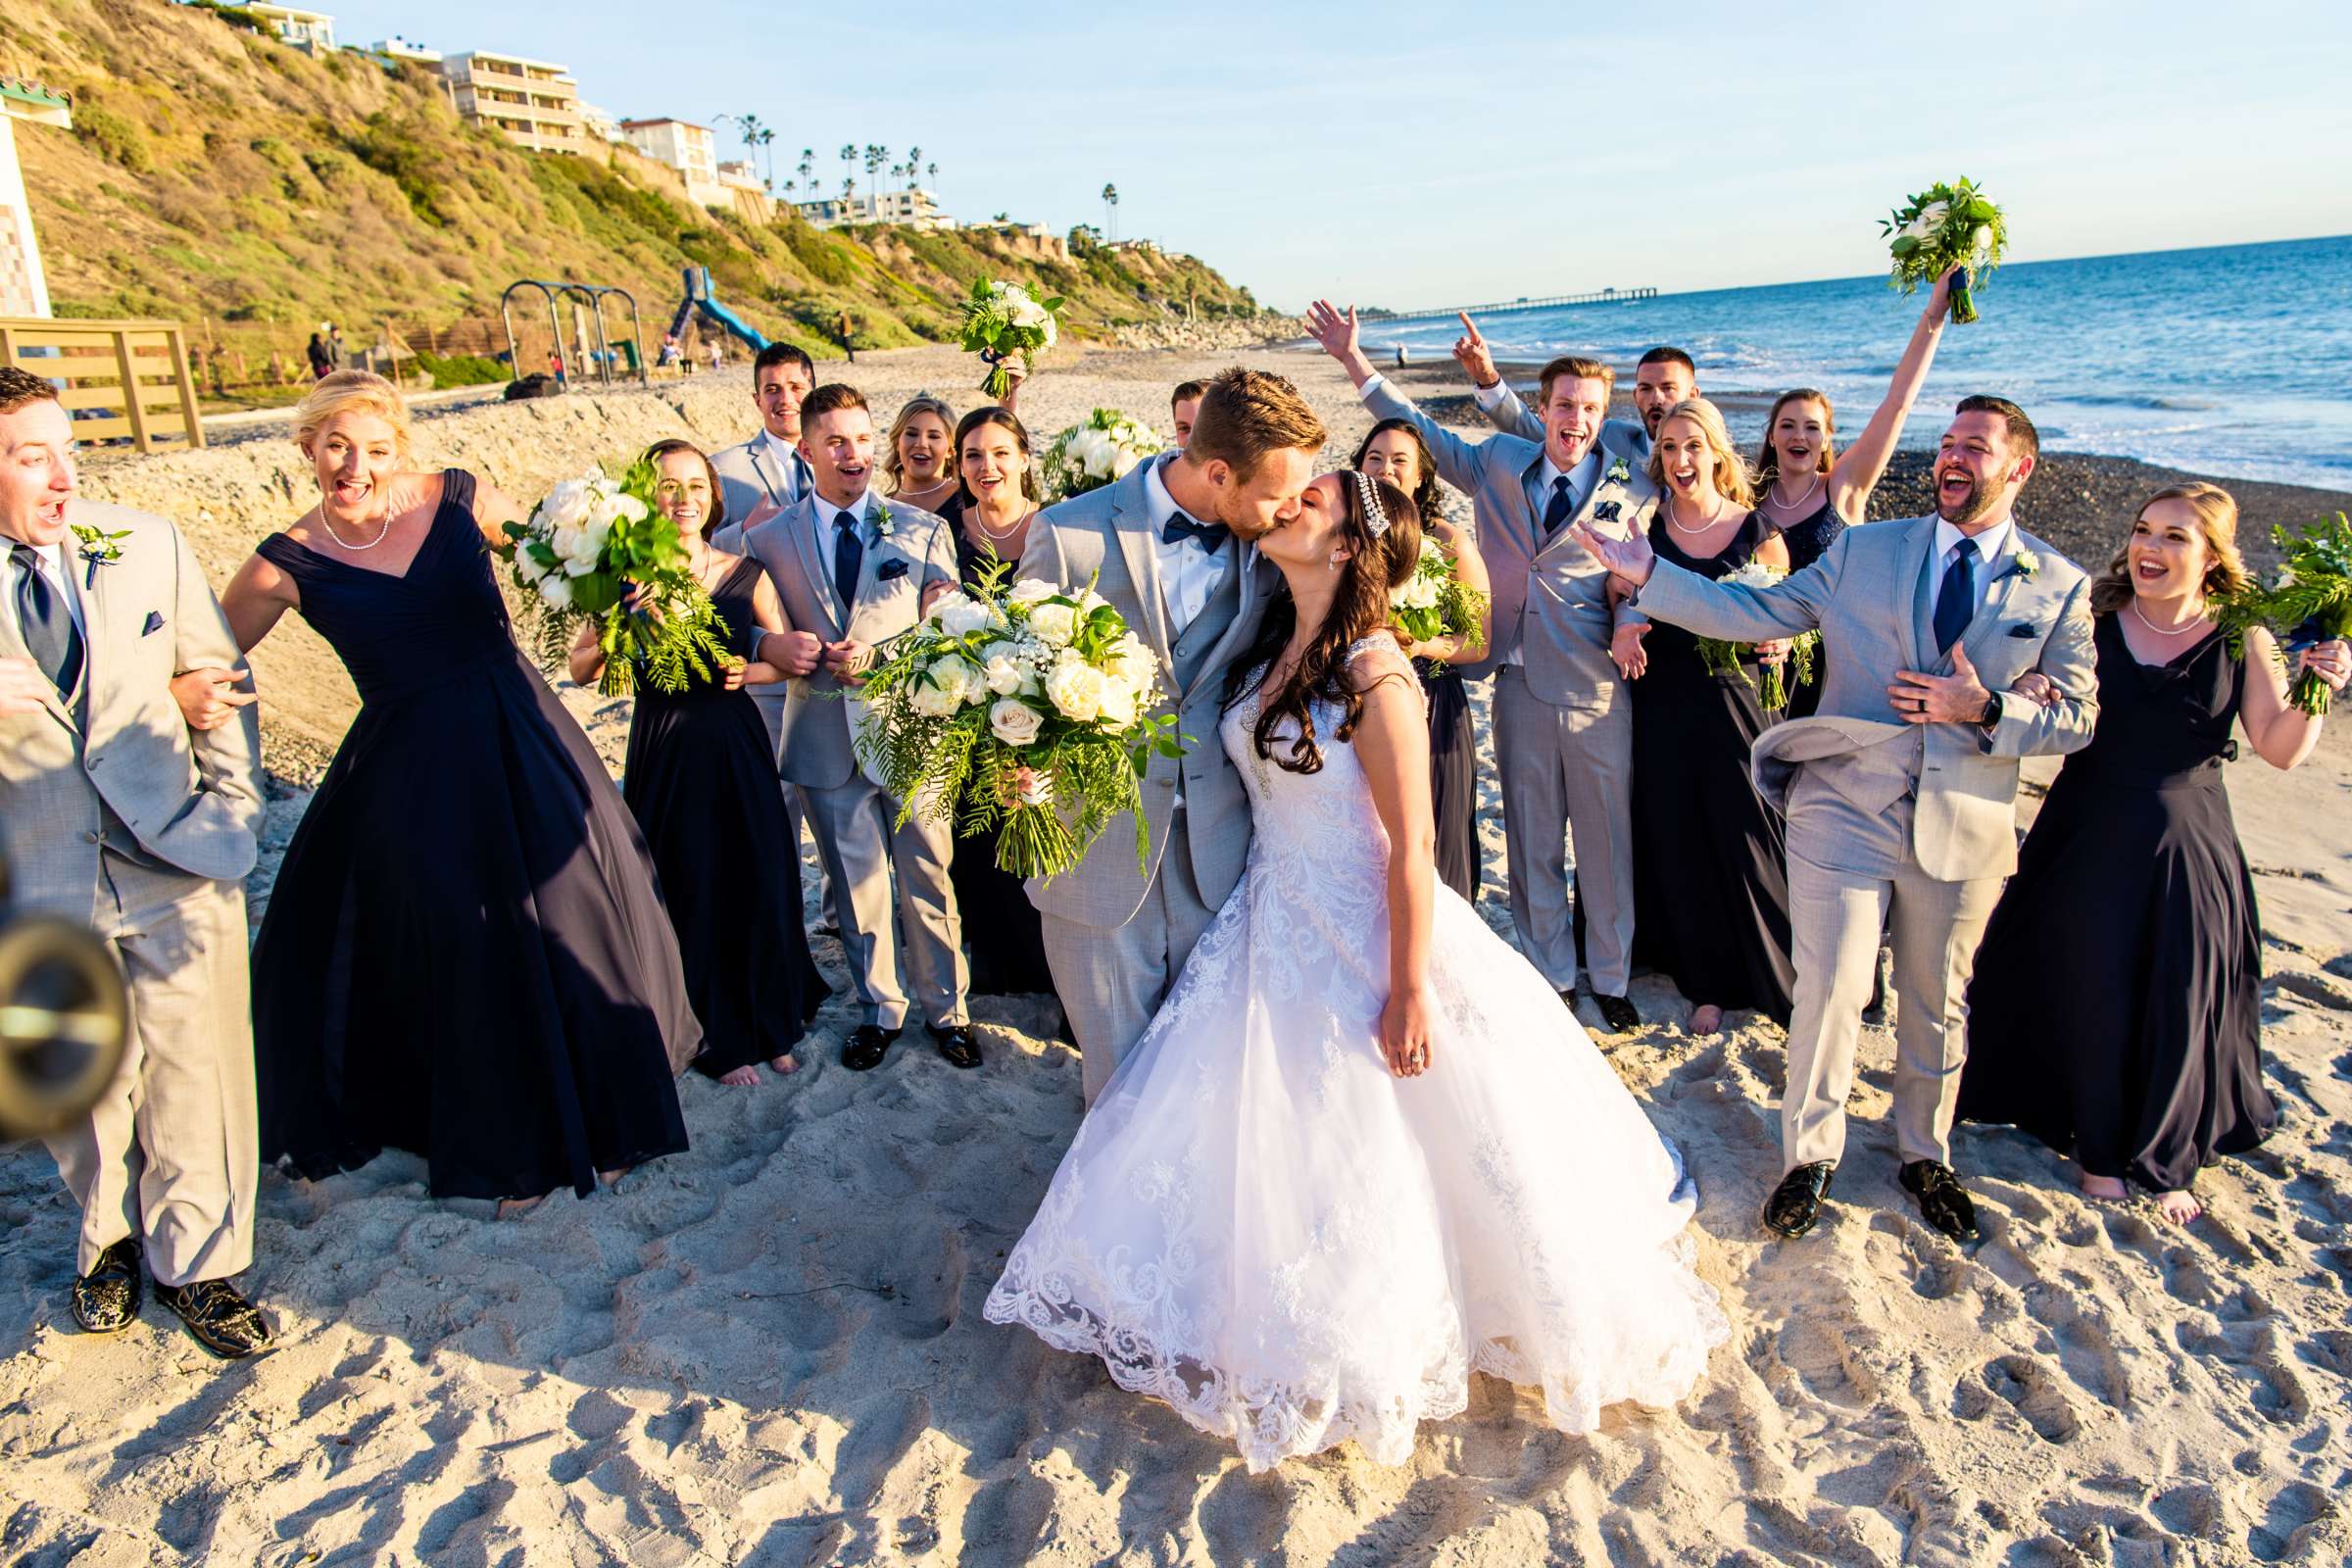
[[1606, 511], [2020, 629], [155, 622], [890, 570]]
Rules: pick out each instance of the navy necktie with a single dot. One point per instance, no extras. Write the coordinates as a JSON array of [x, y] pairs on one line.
[[1209, 536], [1561, 508], [1956, 600], [847, 553], [50, 636]]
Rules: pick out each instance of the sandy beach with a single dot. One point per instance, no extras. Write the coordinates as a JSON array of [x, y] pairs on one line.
[[770, 1351]]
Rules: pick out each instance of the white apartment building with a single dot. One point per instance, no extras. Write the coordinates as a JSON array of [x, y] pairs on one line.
[[532, 103], [914, 208], [311, 32], [687, 148]]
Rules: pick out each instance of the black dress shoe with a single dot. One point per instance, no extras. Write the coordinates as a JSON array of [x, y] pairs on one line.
[[959, 1045], [107, 1298], [1617, 1012], [867, 1043], [223, 1320], [1796, 1203], [1942, 1202]]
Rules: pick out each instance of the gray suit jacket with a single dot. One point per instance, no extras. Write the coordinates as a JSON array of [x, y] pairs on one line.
[[1550, 596], [1105, 536], [1873, 598], [118, 756], [819, 713], [750, 476]]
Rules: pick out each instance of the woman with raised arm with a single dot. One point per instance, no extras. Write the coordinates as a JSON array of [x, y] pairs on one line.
[[919, 456], [464, 954], [701, 780], [2117, 1007], [1395, 452], [1362, 1150]]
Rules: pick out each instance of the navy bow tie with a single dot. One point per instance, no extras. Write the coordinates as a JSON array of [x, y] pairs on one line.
[[1179, 528]]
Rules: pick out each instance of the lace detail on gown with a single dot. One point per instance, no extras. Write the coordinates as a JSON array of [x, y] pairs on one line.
[[1260, 1226]]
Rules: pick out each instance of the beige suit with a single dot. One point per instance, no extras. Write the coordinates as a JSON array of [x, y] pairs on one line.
[[112, 813], [1909, 826]]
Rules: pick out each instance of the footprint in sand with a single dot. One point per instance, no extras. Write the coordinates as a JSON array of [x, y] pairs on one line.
[[2025, 1383]]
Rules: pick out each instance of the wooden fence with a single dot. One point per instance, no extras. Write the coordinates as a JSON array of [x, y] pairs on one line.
[[122, 380]]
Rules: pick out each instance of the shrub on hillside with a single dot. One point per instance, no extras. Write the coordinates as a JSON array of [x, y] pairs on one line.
[[112, 137], [462, 369]]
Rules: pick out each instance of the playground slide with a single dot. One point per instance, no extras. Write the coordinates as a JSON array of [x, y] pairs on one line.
[[721, 317]]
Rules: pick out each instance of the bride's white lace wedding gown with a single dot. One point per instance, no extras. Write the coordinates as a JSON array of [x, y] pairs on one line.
[[1261, 1226]]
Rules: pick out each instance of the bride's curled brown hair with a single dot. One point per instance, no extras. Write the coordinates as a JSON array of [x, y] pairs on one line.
[[1285, 731]]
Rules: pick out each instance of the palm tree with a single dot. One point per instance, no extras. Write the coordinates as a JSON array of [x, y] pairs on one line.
[[807, 169], [914, 164], [766, 137], [848, 156], [1110, 208], [931, 174]]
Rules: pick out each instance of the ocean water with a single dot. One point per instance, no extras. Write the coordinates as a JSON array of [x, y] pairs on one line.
[[2235, 361]]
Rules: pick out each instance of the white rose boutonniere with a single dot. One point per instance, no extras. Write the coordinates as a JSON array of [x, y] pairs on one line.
[[884, 523], [2025, 563], [1619, 474], [98, 548]]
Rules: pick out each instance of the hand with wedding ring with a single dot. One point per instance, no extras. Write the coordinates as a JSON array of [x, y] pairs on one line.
[[1955, 699], [2330, 661], [1404, 1030]]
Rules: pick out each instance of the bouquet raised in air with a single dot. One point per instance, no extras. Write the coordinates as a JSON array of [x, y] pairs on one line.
[[1002, 319], [1727, 658], [2315, 586], [1943, 227], [999, 680], [1433, 602], [597, 550], [1098, 450]]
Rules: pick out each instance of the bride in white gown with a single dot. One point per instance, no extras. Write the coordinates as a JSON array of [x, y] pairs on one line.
[[1363, 1150]]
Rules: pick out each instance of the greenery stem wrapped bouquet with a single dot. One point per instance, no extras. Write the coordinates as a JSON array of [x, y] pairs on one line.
[[596, 550], [1730, 659], [1433, 602], [1098, 450], [2315, 587], [1026, 707], [1002, 319], [1943, 227]]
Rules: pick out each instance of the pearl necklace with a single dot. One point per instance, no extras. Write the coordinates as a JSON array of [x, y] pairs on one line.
[[339, 539], [1684, 527], [2190, 624], [1018, 524], [1772, 499]]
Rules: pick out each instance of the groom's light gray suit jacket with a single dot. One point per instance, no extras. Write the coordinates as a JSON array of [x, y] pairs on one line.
[[1106, 535], [1550, 598], [1840, 773]]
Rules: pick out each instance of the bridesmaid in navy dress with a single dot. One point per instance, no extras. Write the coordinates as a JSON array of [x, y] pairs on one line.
[[464, 954], [701, 781]]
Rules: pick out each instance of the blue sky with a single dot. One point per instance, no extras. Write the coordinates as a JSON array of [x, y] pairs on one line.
[[1416, 156]]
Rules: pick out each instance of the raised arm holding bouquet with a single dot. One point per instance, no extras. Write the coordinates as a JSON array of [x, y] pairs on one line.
[[1943, 227], [1002, 321]]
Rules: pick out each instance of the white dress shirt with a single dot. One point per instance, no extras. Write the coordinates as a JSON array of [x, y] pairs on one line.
[[1994, 546], [790, 467], [1189, 575], [52, 559]]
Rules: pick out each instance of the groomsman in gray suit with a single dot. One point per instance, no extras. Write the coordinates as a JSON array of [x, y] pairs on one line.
[[853, 572], [1172, 547], [1901, 793], [1563, 720], [1664, 377], [113, 815]]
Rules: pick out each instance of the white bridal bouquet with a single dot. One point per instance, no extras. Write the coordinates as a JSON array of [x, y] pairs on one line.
[[1943, 227], [1098, 450], [597, 550], [1433, 602], [1002, 319], [1724, 658], [1000, 682]]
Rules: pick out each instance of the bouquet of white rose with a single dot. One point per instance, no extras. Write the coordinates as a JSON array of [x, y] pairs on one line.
[[597, 550], [1002, 319], [1943, 227], [1726, 657], [1000, 680], [1433, 602], [1098, 452]]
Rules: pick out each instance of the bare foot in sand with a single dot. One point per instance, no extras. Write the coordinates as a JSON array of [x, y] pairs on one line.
[[2179, 1208], [517, 1207], [611, 1178], [2106, 1187], [741, 1078], [787, 1063], [1705, 1019]]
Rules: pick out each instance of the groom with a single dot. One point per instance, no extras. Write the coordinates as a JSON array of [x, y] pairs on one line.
[[1173, 548], [1900, 795]]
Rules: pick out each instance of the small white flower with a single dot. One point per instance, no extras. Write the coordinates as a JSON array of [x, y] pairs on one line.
[[1131, 659], [884, 523], [1054, 623], [1418, 593], [1014, 722], [2026, 561], [1619, 473], [1076, 690], [961, 614], [1006, 675], [555, 590], [526, 565]]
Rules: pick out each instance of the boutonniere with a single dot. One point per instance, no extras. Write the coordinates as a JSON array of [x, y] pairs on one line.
[[884, 523], [2025, 563], [99, 548], [1619, 474]]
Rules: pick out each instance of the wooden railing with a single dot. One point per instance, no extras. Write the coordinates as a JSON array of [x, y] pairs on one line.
[[122, 380]]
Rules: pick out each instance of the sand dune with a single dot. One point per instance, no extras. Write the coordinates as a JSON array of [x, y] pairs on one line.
[[770, 1349]]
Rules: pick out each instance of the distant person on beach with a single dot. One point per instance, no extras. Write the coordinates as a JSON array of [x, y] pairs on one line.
[[843, 331], [322, 358], [2146, 1063], [497, 989], [918, 455], [153, 849], [718, 355], [1184, 407]]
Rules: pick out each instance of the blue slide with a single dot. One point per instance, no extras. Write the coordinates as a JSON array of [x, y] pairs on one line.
[[698, 297]]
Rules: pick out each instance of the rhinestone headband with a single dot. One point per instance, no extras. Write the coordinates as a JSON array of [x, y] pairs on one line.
[[1376, 516]]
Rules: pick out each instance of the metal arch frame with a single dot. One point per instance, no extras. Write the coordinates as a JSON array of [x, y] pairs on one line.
[[593, 296]]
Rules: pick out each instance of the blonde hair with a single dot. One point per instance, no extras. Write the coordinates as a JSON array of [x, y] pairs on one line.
[[2216, 518], [1576, 368], [343, 392], [1246, 416], [1731, 469], [920, 403]]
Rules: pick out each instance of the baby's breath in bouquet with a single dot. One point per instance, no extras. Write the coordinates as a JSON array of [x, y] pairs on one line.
[[1002, 319], [1727, 658], [1943, 227], [1433, 602], [597, 550], [1028, 703]]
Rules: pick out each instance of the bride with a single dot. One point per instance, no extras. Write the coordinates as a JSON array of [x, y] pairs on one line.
[[1362, 1152]]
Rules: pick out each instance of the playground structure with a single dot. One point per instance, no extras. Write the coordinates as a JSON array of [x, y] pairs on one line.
[[698, 298], [595, 352]]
